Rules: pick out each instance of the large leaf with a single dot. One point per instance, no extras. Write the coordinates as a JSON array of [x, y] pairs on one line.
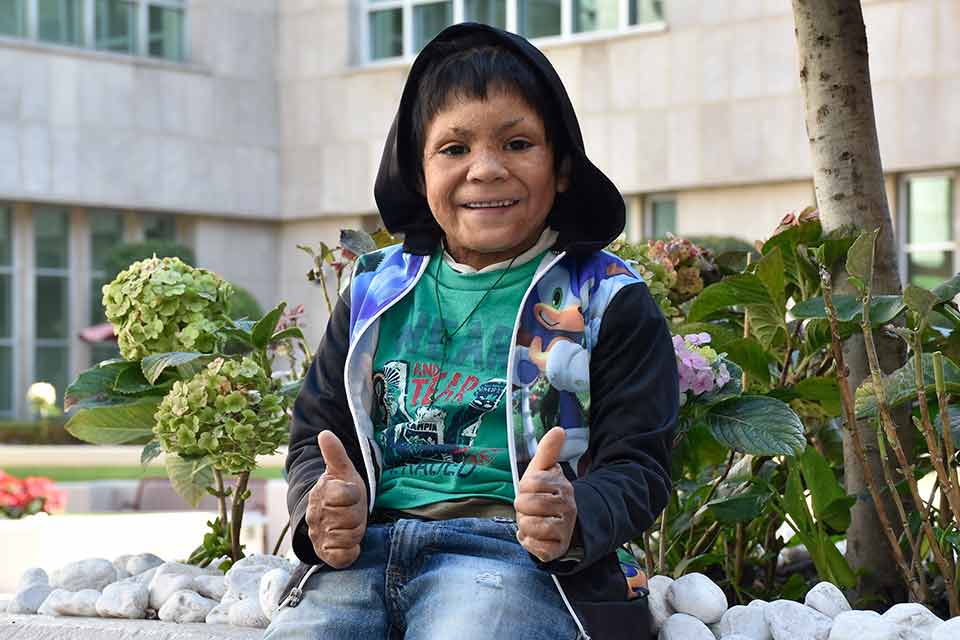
[[816, 333], [96, 383], [289, 332], [742, 289], [947, 290], [919, 300], [190, 477], [742, 508], [770, 270], [263, 330], [154, 365], [757, 425], [861, 255], [117, 424], [768, 324], [883, 308], [825, 391], [751, 356], [830, 503], [796, 505], [901, 385]]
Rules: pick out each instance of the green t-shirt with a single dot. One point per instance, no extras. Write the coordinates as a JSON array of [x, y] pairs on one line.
[[455, 446]]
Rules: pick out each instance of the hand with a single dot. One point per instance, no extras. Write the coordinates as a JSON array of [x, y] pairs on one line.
[[337, 506], [545, 505]]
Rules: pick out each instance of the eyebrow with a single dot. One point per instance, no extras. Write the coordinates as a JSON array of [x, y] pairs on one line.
[[461, 131]]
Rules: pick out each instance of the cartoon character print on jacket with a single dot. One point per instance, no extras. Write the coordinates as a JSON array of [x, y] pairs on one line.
[[559, 326]]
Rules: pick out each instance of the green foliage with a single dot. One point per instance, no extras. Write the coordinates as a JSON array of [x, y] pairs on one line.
[[123, 255], [159, 305], [230, 412], [757, 425], [242, 304], [900, 386]]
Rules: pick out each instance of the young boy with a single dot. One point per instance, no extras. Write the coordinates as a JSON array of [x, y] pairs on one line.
[[489, 416]]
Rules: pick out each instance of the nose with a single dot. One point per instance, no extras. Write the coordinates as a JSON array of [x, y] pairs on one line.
[[486, 167]]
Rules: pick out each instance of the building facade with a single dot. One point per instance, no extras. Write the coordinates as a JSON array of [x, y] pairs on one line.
[[244, 127]]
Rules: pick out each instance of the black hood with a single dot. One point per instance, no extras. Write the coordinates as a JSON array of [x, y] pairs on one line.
[[588, 215]]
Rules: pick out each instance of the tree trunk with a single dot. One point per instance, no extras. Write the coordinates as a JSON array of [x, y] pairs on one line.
[[848, 179]]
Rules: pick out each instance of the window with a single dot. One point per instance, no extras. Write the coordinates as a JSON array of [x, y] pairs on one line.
[[155, 28], [106, 232], [661, 217], [51, 233], [927, 229], [388, 21], [6, 310], [159, 226]]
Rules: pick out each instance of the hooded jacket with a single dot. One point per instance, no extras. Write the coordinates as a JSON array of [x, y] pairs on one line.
[[611, 382]]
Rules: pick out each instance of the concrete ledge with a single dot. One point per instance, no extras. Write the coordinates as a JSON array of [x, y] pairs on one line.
[[50, 628]]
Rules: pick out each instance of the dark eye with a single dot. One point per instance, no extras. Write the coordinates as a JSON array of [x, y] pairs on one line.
[[518, 145], [454, 150], [557, 297]]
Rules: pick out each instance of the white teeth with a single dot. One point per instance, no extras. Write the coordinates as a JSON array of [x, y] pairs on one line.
[[490, 203]]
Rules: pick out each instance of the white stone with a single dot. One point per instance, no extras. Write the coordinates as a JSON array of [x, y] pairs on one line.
[[213, 587], [124, 600], [31, 577], [271, 586], [949, 630], [29, 600], [758, 603], [4, 605], [243, 579], [186, 606], [789, 620], [80, 603], [120, 564], [735, 636], [247, 613], [54, 600], [262, 560], [92, 573], [697, 595], [141, 562], [660, 609], [916, 621], [746, 621], [863, 625], [168, 579], [827, 598], [144, 578], [681, 626], [220, 614]]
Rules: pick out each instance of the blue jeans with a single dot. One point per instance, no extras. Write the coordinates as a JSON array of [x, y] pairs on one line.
[[464, 579]]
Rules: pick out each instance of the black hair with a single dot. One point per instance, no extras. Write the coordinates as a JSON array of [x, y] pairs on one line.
[[471, 74]]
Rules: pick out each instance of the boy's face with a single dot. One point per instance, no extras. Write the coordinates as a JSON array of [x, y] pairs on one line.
[[489, 176]]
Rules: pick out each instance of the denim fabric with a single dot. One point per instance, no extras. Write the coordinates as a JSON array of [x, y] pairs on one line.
[[464, 579]]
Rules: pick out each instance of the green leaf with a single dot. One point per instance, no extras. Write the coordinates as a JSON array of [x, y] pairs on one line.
[[861, 255], [824, 490], [742, 508], [720, 335], [741, 289], [189, 478], [795, 504], [883, 308], [946, 291], [816, 334], [357, 241], [263, 330], [768, 324], [825, 391], [900, 385], [954, 423], [151, 451], [751, 356], [770, 270], [835, 245], [757, 425], [919, 300], [96, 383], [841, 574], [131, 382], [117, 424], [154, 365], [289, 332], [291, 389]]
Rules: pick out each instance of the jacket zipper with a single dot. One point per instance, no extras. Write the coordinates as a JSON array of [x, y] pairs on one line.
[[511, 442], [296, 594]]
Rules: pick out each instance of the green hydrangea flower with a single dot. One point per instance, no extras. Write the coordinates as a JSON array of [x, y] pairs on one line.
[[159, 305], [231, 411]]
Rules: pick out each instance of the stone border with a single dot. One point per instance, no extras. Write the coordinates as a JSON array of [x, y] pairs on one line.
[[62, 628]]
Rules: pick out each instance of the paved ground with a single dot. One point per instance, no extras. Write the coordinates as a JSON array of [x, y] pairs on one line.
[[15, 627]]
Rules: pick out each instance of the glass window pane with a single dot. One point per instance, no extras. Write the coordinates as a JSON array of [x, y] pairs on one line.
[[13, 17], [6, 235], [492, 12], [929, 268], [538, 18], [644, 11], [60, 21], [6, 305], [664, 218], [52, 365], [595, 15], [429, 20], [165, 33], [6, 379], [106, 232], [52, 310], [386, 34], [929, 210], [116, 22], [159, 226], [51, 228]]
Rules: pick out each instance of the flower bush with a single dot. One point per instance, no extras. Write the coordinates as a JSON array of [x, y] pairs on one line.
[[701, 369], [27, 496], [162, 305]]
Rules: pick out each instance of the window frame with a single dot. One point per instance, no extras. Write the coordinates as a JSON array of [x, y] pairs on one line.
[[66, 273], [649, 202], [12, 340], [88, 40], [905, 248], [566, 35]]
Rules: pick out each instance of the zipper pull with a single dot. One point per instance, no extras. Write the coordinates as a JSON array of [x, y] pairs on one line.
[[294, 597]]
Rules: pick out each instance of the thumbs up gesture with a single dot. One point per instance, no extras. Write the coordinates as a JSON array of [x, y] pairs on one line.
[[545, 505], [337, 506]]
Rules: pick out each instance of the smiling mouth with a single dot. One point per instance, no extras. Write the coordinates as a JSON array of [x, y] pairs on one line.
[[546, 321], [490, 204]]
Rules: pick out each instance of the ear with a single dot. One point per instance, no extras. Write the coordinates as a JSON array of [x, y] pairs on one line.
[[563, 175]]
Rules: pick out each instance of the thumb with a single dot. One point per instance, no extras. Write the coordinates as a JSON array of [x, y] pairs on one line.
[[334, 455], [548, 449]]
